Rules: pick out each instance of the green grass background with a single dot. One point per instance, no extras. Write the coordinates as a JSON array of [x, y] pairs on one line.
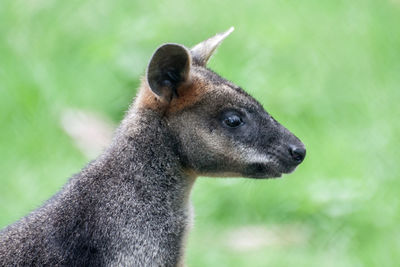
[[328, 70]]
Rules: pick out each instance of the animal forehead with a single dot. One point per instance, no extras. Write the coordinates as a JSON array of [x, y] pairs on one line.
[[208, 89], [221, 90]]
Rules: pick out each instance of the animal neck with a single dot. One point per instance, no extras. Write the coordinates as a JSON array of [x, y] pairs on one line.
[[145, 152], [139, 191]]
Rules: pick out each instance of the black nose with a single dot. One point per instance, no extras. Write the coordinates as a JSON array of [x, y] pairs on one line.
[[297, 153]]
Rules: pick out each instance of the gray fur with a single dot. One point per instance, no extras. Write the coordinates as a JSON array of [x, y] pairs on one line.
[[126, 207], [130, 206]]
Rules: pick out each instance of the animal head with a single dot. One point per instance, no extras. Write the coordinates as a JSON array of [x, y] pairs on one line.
[[221, 130]]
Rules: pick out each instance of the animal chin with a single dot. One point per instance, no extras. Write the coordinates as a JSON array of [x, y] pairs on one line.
[[269, 175], [263, 170], [280, 167]]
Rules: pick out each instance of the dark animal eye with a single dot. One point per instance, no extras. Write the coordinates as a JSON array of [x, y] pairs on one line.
[[233, 121]]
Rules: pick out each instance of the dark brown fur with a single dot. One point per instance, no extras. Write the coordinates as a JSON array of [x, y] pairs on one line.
[[130, 206]]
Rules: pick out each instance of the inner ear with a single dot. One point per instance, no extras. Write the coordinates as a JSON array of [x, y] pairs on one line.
[[168, 68]]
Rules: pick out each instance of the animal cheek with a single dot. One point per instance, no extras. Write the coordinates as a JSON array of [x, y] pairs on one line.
[[211, 129]]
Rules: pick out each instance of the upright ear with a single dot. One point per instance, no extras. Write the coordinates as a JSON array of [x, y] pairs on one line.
[[168, 68], [202, 52]]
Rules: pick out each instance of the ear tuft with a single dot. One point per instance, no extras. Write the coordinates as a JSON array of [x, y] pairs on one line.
[[202, 52], [168, 68]]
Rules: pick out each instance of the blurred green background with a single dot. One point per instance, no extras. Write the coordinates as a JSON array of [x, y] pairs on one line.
[[327, 70]]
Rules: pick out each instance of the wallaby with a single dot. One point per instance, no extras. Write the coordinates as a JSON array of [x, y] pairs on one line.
[[130, 206]]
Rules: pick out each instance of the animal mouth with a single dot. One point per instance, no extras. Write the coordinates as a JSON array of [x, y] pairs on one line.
[[271, 169], [263, 170]]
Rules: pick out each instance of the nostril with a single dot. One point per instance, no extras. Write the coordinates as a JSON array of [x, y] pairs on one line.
[[297, 153]]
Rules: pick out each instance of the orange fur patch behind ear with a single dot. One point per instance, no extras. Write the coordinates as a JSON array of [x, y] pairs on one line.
[[189, 93], [146, 99]]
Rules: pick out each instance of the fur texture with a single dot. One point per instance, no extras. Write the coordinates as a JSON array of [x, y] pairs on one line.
[[130, 206]]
